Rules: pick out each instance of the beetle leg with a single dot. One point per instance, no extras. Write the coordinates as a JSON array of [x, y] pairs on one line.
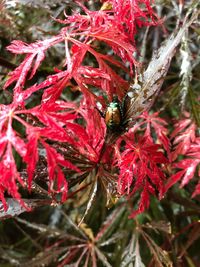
[[102, 114]]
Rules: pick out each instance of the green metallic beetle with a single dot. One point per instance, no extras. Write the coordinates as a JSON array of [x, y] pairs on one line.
[[113, 115]]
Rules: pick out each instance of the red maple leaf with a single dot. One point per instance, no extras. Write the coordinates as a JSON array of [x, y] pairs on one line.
[[54, 119], [35, 51], [187, 144], [188, 167], [183, 135], [154, 125], [140, 167]]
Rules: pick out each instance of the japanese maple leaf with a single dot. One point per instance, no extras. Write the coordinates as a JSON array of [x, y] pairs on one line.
[[187, 145], [9, 176], [183, 136], [95, 130], [154, 125], [133, 15], [140, 166], [9, 141], [35, 51], [187, 167], [53, 119]]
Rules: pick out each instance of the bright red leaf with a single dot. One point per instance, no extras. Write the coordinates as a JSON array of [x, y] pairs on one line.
[[188, 167], [141, 169], [183, 135]]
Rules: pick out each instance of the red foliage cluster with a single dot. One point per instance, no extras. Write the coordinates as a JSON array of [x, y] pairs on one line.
[[141, 162], [187, 144]]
